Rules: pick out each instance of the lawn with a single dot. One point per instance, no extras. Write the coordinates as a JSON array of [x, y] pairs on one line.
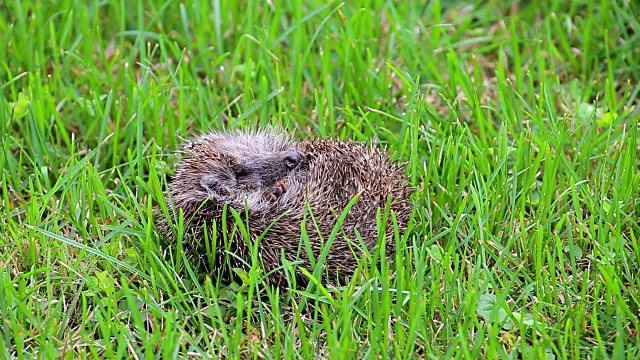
[[518, 121]]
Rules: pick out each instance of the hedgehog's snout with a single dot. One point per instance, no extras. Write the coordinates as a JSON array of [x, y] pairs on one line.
[[292, 159]]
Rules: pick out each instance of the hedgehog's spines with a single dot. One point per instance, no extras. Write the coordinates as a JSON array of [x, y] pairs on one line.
[[246, 167]]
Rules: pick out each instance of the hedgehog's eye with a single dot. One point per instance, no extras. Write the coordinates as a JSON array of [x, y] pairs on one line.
[[242, 174]]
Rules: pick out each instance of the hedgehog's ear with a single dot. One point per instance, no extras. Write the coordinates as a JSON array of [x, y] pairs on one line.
[[213, 186]]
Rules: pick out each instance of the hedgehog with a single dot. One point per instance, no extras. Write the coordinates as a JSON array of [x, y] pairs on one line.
[[282, 188]]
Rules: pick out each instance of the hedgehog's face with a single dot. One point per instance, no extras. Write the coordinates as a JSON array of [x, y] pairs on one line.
[[231, 174], [227, 168]]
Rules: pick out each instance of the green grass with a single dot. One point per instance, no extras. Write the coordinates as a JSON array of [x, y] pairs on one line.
[[519, 122]]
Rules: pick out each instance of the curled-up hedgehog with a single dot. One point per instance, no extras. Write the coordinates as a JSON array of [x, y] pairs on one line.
[[276, 184]]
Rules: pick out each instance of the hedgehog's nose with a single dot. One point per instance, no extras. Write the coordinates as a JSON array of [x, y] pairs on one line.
[[291, 159]]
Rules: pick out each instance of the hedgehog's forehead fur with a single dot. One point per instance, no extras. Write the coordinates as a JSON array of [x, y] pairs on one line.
[[241, 143]]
